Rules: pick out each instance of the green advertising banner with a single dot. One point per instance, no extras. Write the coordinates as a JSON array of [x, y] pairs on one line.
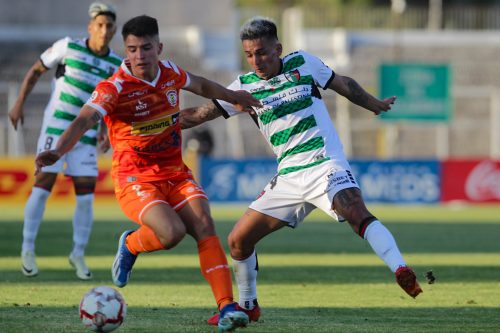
[[422, 90]]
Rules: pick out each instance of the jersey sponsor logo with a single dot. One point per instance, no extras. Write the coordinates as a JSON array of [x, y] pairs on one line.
[[107, 97], [483, 182], [335, 178], [153, 127], [259, 88], [293, 76], [141, 105], [141, 114], [167, 84], [141, 194], [172, 97], [138, 93]]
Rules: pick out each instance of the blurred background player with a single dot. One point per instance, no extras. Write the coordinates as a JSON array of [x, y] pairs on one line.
[[312, 169], [155, 189], [80, 64]]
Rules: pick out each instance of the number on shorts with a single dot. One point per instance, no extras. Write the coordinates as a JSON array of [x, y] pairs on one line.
[[48, 142]]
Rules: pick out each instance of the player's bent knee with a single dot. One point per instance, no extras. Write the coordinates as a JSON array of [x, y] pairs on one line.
[[238, 248], [174, 235]]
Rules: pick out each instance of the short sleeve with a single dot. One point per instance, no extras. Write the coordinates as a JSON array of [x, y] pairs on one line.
[[104, 98], [55, 54], [182, 80], [321, 73], [228, 109]]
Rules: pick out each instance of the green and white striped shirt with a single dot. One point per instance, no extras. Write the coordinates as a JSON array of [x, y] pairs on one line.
[[77, 74], [294, 119]]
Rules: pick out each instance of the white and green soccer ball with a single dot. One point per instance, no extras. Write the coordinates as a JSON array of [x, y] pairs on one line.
[[102, 309]]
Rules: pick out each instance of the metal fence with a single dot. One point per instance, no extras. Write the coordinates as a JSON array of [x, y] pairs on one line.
[[317, 15]]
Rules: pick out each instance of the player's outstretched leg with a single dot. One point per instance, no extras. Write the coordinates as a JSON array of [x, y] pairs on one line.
[[231, 318], [123, 263], [407, 279]]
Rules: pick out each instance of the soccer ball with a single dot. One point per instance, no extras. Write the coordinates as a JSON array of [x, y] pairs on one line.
[[102, 309]]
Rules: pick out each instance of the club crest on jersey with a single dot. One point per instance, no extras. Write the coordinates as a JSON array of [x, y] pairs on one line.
[[274, 81], [293, 76], [172, 97]]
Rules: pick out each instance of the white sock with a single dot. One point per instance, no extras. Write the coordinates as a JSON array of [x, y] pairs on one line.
[[82, 223], [33, 215], [245, 274], [384, 245]]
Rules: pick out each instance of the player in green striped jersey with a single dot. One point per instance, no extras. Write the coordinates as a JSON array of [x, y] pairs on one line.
[[80, 64], [313, 171]]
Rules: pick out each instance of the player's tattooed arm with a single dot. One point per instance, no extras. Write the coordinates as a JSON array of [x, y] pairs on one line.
[[350, 89], [192, 117]]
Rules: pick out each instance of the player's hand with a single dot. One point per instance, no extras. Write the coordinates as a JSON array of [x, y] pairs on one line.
[[103, 142], [384, 105], [45, 158], [245, 101], [16, 114]]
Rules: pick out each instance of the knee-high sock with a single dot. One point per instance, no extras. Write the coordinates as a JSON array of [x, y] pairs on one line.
[[215, 269], [143, 239], [384, 245], [82, 223], [33, 214], [245, 272]]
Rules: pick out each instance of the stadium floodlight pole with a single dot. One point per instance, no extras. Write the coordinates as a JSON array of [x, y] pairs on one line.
[[397, 7], [435, 15]]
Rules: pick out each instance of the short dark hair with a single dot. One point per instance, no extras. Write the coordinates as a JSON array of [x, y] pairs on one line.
[[140, 26], [259, 27]]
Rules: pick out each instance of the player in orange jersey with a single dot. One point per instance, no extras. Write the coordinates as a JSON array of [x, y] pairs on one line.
[[155, 189]]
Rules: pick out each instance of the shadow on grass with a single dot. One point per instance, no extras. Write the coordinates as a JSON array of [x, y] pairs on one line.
[[55, 238], [267, 275], [301, 319]]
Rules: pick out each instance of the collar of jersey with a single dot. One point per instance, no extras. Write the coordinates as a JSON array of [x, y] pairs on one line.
[[128, 72]]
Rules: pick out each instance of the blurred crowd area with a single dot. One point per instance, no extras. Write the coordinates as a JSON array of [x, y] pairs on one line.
[[353, 37]]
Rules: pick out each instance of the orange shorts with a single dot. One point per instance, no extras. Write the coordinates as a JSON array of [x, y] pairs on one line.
[[137, 197]]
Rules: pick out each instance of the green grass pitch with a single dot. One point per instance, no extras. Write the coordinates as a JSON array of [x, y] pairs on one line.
[[317, 278]]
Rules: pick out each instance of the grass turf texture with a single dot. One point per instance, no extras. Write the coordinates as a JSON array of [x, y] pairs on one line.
[[318, 278]]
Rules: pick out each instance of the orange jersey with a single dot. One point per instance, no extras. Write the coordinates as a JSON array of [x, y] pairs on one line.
[[142, 118]]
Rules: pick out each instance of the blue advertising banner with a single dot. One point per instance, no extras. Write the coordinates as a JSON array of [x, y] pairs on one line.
[[396, 182], [399, 182], [229, 180]]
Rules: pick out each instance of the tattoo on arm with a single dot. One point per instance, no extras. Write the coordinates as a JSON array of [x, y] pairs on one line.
[[198, 115], [95, 118], [358, 95]]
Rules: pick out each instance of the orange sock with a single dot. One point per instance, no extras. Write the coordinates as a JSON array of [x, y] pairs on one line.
[[214, 267], [143, 240]]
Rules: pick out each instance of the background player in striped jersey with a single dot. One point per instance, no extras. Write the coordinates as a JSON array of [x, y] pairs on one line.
[[312, 169], [155, 189], [80, 64]]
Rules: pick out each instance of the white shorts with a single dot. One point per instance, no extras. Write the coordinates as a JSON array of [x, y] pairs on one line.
[[80, 161], [291, 197]]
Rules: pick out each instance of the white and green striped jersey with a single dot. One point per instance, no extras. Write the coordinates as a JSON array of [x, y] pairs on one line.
[[294, 119], [77, 74]]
